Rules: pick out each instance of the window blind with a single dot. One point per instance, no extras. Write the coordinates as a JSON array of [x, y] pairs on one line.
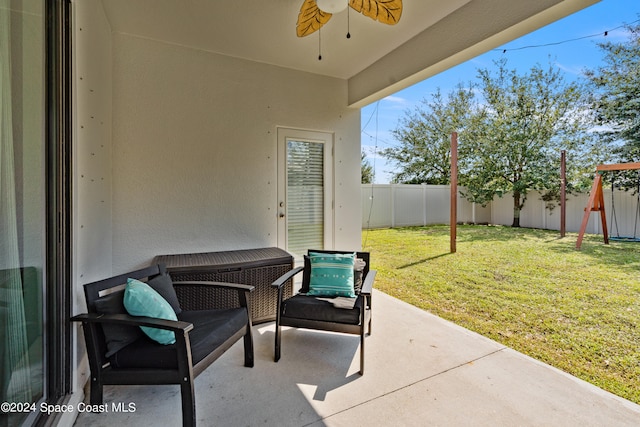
[[305, 196]]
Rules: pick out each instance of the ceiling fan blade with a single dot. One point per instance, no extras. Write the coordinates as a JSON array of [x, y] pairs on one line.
[[310, 18], [385, 11]]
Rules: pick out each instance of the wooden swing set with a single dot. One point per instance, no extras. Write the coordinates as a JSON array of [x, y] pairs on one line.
[[594, 204], [596, 199]]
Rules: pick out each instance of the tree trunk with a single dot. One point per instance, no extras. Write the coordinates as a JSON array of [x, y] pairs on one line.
[[516, 209]]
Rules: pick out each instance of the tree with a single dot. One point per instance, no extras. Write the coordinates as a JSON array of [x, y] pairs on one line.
[[366, 176], [513, 141], [616, 100], [510, 134], [423, 155]]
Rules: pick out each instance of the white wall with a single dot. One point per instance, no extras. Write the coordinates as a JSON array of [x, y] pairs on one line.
[[92, 160], [195, 149], [92, 152]]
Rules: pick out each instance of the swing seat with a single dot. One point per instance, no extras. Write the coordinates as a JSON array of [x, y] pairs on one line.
[[624, 239]]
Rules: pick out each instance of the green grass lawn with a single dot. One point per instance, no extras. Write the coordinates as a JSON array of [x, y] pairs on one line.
[[528, 289]]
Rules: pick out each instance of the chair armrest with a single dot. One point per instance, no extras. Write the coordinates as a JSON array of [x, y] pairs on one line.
[[96, 344], [231, 286], [125, 319], [279, 283], [367, 286]]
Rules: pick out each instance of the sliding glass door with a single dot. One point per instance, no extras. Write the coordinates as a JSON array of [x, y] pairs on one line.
[[35, 206], [22, 206]]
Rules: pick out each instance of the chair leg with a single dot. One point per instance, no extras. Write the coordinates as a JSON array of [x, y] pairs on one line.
[[248, 348], [362, 351], [370, 312], [276, 350], [188, 403], [95, 393]]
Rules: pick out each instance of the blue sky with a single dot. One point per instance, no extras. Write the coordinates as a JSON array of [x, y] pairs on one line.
[[379, 119]]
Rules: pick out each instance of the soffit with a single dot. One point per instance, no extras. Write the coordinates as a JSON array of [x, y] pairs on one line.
[[376, 57]]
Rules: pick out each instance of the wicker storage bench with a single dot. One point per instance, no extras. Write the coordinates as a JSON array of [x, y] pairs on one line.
[[257, 267]]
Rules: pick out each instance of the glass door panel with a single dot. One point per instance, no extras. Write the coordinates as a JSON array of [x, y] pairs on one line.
[[22, 206], [305, 196], [305, 190]]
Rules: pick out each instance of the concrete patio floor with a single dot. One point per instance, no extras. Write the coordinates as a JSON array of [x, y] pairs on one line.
[[420, 371]]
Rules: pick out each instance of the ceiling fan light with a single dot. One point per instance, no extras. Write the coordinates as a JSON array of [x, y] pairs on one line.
[[332, 6]]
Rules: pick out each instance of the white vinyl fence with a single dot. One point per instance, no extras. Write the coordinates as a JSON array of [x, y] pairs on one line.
[[399, 205]]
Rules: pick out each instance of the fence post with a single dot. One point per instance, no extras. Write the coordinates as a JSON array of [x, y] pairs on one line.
[[453, 218], [393, 206], [473, 212], [424, 205], [563, 193], [544, 212]]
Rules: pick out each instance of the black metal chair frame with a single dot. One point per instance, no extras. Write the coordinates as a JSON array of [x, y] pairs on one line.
[[355, 329], [184, 374]]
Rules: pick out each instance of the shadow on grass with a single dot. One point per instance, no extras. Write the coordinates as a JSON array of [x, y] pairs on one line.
[[474, 233], [423, 260], [623, 255]]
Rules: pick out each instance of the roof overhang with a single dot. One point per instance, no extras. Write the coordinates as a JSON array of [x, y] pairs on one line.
[[378, 60]]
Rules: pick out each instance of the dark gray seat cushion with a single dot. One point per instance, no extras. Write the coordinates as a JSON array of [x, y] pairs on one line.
[[116, 336], [210, 329], [163, 285], [311, 308]]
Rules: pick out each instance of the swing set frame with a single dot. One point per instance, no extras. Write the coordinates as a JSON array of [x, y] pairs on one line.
[[596, 199]]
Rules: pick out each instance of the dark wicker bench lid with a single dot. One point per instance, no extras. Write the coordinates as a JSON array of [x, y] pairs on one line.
[[224, 260]]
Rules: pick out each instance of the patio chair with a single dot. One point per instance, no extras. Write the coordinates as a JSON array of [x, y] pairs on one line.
[[320, 307], [121, 354]]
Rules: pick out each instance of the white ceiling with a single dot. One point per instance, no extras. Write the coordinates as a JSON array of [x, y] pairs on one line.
[[431, 35]]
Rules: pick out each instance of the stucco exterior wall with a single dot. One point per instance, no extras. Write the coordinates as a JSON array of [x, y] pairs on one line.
[[195, 149], [92, 150], [92, 164]]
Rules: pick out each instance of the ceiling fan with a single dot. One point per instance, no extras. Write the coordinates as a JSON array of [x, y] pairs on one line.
[[315, 13]]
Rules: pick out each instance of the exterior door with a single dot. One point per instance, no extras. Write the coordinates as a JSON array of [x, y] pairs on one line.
[[305, 190]]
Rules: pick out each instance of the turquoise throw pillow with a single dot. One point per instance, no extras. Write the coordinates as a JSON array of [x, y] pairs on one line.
[[331, 275], [141, 300]]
